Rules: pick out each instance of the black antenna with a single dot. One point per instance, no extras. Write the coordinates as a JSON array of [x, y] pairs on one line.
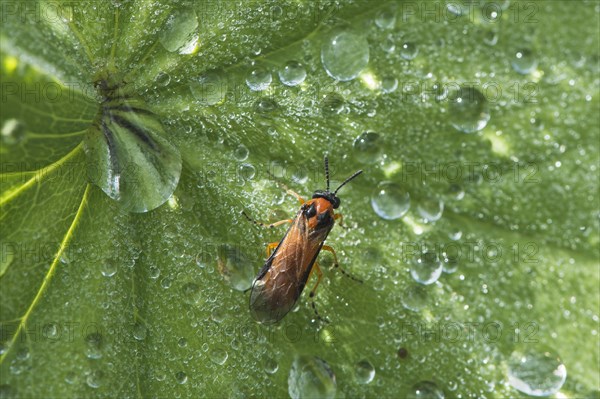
[[327, 171], [345, 181]]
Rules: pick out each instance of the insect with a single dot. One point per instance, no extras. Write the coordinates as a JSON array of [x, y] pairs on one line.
[[289, 266]]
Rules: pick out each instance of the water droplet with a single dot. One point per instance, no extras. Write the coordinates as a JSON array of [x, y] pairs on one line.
[[191, 294], [70, 378], [128, 155], [210, 88], [426, 268], [311, 377], [259, 79], [166, 283], [51, 331], [265, 105], [430, 209], [163, 79], [271, 366], [408, 50], [456, 192], [153, 272], [94, 344], [109, 268], [180, 33], [415, 298], [182, 342], [426, 390], [241, 152], [389, 84], [536, 372], [13, 132], [95, 379], [455, 234], [235, 267], [386, 18], [524, 61], [367, 147], [332, 103], [219, 356], [449, 264], [300, 175], [181, 377], [390, 201], [292, 74], [345, 55], [364, 372], [468, 110], [388, 45], [490, 38], [139, 331]]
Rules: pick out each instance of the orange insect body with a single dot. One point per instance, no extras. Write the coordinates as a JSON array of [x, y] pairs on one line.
[[281, 280]]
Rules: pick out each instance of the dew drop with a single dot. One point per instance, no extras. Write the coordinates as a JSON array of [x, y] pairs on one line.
[[246, 171], [415, 298], [468, 110], [265, 105], [292, 74], [181, 377], [332, 103], [94, 344], [426, 268], [426, 390], [364, 372], [241, 152], [51, 331], [70, 378], [191, 294], [388, 45], [95, 379], [524, 61], [389, 84], [153, 272], [259, 79], [235, 267], [344, 55], [180, 33], [390, 201], [219, 356], [409, 50], [166, 283], [13, 132], [139, 331], [367, 147], [210, 88], [271, 366], [109, 268], [386, 18], [182, 342], [536, 373], [163, 79], [449, 263], [490, 38], [311, 377], [430, 209]]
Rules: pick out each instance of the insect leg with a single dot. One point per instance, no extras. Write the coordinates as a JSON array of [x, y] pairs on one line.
[[270, 247], [341, 217], [314, 290], [295, 194], [267, 225], [336, 264]]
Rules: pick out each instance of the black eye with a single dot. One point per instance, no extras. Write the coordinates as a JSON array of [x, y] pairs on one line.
[[311, 211]]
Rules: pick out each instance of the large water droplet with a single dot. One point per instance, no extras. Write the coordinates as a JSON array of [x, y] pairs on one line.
[[468, 110], [430, 209], [524, 61], [344, 55], [364, 372], [292, 74], [426, 268], [128, 156], [409, 50], [13, 132], [389, 84], [181, 377], [311, 377], [95, 379], [426, 390], [536, 373], [271, 366], [235, 267], [332, 103], [180, 33], [209, 88], [241, 152], [390, 201], [415, 298], [259, 79], [219, 356], [109, 268], [367, 147], [386, 18]]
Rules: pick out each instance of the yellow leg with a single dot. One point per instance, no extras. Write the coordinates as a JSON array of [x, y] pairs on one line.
[[313, 292], [295, 194], [270, 247], [341, 217], [270, 226], [336, 264]]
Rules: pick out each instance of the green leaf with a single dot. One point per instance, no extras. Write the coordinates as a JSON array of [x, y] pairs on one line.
[[98, 301]]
